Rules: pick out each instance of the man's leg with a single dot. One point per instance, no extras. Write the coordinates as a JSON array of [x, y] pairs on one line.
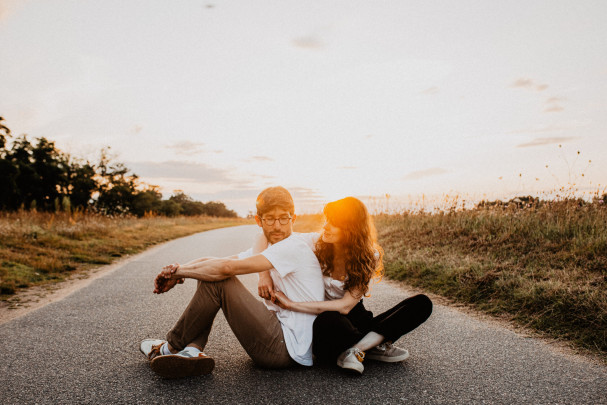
[[256, 328]]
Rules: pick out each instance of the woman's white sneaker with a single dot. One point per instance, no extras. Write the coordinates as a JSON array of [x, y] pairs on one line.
[[352, 359]]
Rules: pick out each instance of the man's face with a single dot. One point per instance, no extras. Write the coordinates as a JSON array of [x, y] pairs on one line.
[[273, 229]]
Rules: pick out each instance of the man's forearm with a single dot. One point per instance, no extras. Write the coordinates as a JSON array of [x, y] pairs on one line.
[[205, 270], [220, 269], [204, 259]]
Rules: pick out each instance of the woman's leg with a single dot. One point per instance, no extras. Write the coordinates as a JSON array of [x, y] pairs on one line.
[[369, 341], [333, 333], [403, 318]]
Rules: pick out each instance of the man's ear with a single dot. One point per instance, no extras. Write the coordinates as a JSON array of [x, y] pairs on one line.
[[293, 218], [258, 220]]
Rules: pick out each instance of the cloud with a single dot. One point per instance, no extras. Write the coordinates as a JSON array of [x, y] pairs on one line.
[[261, 158], [7, 7], [307, 199], [542, 129], [522, 83], [529, 84], [553, 108], [307, 42], [546, 141], [553, 104], [187, 148], [181, 171], [430, 90], [420, 174]]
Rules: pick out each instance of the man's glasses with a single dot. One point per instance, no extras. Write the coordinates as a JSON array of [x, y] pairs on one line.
[[281, 220]]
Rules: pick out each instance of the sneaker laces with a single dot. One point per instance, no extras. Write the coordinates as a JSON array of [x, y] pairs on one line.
[[156, 351], [360, 355], [384, 347]]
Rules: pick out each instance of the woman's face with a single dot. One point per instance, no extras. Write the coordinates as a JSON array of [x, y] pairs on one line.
[[331, 233]]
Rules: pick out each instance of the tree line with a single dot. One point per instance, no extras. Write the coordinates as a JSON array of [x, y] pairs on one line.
[[38, 176]]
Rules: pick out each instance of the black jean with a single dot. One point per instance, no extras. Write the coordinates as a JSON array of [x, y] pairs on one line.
[[334, 332]]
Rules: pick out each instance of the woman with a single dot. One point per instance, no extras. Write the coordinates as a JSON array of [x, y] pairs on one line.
[[350, 259]]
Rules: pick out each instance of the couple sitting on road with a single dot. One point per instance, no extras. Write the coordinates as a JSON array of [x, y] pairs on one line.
[[312, 285]]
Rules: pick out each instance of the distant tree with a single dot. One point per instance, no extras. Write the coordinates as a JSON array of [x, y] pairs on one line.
[[50, 169], [117, 188], [40, 176], [170, 208], [82, 183], [4, 133], [149, 200], [188, 205], [8, 172], [24, 180], [218, 209]]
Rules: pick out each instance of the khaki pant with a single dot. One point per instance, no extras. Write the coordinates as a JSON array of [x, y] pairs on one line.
[[257, 328]]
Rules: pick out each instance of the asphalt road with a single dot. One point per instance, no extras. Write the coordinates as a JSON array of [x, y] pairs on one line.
[[84, 349]]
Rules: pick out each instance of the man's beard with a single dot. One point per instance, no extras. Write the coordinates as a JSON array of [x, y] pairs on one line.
[[274, 236]]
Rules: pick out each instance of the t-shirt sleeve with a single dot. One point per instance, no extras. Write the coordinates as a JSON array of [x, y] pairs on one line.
[[310, 238], [245, 254], [285, 255]]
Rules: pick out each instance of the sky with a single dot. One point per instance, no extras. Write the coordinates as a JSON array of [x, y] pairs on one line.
[[392, 101]]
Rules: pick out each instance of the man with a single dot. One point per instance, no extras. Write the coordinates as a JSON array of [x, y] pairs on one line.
[[271, 336]]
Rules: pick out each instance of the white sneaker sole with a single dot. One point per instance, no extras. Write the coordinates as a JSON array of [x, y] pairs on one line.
[[387, 359], [358, 367]]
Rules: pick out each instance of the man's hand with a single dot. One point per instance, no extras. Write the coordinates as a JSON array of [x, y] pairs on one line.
[[265, 287], [165, 281]]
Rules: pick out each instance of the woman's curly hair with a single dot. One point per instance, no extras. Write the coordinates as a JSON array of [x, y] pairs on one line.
[[359, 241]]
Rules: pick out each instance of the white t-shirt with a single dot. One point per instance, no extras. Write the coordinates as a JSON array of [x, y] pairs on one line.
[[334, 289], [297, 274]]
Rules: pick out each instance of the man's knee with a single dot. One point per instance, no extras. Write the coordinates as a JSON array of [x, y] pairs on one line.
[[206, 285]]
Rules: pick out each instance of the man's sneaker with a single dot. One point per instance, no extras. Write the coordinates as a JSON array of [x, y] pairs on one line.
[[186, 363], [352, 359], [151, 348], [388, 353]]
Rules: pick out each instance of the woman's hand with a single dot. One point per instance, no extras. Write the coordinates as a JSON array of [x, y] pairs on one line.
[[282, 300]]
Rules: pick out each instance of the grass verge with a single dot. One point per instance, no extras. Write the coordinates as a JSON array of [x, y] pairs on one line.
[[543, 266], [41, 248]]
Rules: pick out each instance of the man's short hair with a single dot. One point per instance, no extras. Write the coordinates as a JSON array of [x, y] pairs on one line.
[[274, 197]]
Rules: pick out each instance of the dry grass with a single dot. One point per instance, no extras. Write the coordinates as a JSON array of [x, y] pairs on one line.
[[38, 248], [308, 223], [543, 266]]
